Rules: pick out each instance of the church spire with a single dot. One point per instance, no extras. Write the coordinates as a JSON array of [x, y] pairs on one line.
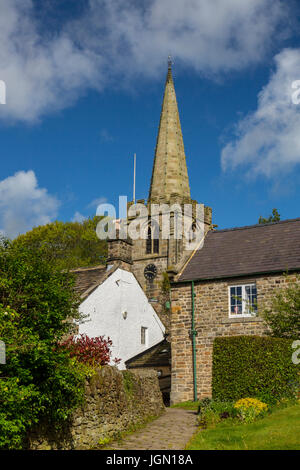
[[169, 182]]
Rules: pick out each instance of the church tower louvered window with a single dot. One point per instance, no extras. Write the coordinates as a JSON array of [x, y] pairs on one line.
[[152, 241]]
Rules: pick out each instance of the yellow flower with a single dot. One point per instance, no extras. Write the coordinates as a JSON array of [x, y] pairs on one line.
[[246, 403]]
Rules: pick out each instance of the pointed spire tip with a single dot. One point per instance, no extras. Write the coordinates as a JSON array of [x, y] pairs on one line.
[[169, 174], [169, 74]]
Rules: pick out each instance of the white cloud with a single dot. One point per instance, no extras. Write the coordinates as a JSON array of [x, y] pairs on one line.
[[209, 35], [117, 42], [95, 202], [41, 75], [24, 205], [78, 217], [267, 141]]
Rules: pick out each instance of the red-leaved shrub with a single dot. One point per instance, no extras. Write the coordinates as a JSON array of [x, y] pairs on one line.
[[93, 351]]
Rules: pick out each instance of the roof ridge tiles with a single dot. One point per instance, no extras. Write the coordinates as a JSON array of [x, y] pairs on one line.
[[256, 225]]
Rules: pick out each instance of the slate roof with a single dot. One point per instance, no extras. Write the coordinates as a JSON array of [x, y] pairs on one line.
[[88, 278], [156, 356], [255, 249]]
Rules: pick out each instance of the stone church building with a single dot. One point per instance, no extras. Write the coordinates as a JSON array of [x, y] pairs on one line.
[[218, 289]]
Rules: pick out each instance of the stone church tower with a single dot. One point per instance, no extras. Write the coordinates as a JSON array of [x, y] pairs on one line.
[[155, 260], [170, 181]]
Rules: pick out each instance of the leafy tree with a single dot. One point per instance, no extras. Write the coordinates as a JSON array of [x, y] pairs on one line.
[[39, 380], [283, 317], [66, 244], [275, 217]]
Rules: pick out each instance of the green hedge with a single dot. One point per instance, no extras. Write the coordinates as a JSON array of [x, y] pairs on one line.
[[254, 366]]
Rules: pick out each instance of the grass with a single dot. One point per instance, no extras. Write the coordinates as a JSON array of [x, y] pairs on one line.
[[187, 405], [279, 430]]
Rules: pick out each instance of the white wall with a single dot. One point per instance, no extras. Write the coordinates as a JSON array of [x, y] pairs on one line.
[[105, 306]]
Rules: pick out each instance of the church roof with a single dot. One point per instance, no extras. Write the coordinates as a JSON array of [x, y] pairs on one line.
[[169, 175], [242, 251]]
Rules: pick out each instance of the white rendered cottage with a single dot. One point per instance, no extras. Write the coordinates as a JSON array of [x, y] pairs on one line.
[[116, 306]]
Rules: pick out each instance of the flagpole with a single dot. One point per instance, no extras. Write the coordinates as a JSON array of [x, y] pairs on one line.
[[134, 171]]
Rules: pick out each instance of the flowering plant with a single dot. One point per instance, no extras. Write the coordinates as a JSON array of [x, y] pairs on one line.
[[250, 408], [92, 351]]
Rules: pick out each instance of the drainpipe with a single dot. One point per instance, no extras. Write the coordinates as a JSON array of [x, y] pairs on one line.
[[194, 334]]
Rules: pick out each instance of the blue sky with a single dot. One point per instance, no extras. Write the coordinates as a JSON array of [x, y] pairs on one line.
[[84, 87]]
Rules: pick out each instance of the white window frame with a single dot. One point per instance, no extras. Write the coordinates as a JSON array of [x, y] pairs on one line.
[[245, 312]]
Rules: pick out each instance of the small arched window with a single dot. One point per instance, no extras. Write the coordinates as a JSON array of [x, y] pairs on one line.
[[152, 241], [149, 241], [192, 234]]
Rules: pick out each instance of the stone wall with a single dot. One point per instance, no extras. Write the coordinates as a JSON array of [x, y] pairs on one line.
[[211, 320], [114, 401]]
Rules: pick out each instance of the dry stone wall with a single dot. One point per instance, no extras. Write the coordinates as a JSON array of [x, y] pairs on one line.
[[115, 400]]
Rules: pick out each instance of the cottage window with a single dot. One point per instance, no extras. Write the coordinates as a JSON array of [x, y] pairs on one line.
[[144, 335], [242, 300]]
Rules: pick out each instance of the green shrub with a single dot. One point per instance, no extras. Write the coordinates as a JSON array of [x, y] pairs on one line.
[[214, 411], [39, 381], [283, 316], [254, 366], [204, 403]]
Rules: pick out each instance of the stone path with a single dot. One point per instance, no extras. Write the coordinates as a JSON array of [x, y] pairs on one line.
[[172, 430]]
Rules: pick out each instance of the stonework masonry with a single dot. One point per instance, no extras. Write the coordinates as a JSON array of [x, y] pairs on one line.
[[171, 257], [211, 320], [120, 252], [114, 401], [169, 175]]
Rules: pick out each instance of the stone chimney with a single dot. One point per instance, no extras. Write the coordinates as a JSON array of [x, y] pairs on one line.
[[119, 251]]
